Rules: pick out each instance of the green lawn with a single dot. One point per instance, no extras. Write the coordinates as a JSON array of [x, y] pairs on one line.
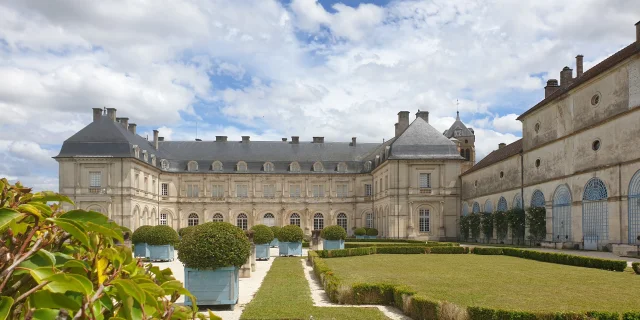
[[285, 294], [497, 281]]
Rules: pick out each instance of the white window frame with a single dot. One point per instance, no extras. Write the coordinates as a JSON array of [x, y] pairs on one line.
[[342, 190], [242, 190], [193, 190], [269, 191], [241, 166], [268, 167], [317, 190], [369, 220], [268, 219], [217, 190], [217, 166], [192, 166], [193, 219], [424, 182], [295, 190], [318, 167], [424, 222], [342, 220], [136, 182], [318, 221], [95, 179], [218, 217], [163, 219], [294, 167], [242, 221], [368, 190], [164, 189], [294, 219]]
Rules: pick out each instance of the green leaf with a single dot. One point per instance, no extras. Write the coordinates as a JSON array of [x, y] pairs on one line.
[[104, 231], [86, 216], [45, 314], [62, 258], [150, 287], [47, 196], [39, 274], [42, 258], [130, 310], [27, 208], [5, 307], [76, 264], [54, 300], [62, 283], [7, 216], [130, 288], [74, 229]]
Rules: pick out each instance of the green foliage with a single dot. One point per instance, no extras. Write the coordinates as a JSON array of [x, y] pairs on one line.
[[537, 221], [140, 234], [372, 232], [571, 260], [516, 221], [474, 225], [631, 316], [373, 243], [448, 250], [334, 232], [401, 250], [487, 251], [486, 224], [338, 253], [636, 267], [183, 231], [162, 235], [262, 234], [360, 232], [276, 231], [400, 240], [465, 225], [214, 245], [54, 260], [501, 224], [290, 233]]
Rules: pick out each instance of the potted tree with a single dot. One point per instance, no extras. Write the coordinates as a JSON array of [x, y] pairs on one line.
[[212, 256], [161, 240], [361, 233], [372, 233], [183, 231], [290, 240], [333, 237], [274, 242], [262, 237], [139, 239]]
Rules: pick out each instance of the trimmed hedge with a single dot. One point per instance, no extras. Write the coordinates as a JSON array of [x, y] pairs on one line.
[[213, 245], [334, 232], [290, 233], [388, 240], [262, 234], [372, 232], [162, 235], [571, 260], [636, 267], [183, 231], [360, 231], [390, 250], [401, 250], [140, 234], [487, 251], [631, 316], [276, 231], [345, 252], [421, 244], [448, 250]]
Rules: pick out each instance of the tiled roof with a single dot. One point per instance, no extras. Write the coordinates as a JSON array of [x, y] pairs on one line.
[[497, 155], [422, 141]]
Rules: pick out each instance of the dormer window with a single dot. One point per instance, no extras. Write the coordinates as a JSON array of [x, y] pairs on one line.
[[164, 163], [457, 132], [216, 166], [342, 167], [267, 167], [377, 160], [145, 156], [192, 166], [136, 151], [294, 167], [367, 166], [153, 160], [241, 166], [317, 167]]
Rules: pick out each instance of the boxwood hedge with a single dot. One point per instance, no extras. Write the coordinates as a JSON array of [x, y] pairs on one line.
[[290, 233], [262, 234], [214, 245], [334, 232], [140, 234], [162, 235], [360, 232]]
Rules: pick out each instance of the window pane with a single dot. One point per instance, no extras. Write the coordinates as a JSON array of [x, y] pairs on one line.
[[367, 190], [294, 219], [369, 222], [242, 191], [269, 191], [318, 221], [163, 219], [165, 189], [217, 191], [425, 180], [193, 220], [342, 190], [269, 220], [342, 220], [294, 190], [95, 179], [424, 220]]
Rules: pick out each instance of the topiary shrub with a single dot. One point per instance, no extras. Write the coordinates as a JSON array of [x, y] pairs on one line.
[[262, 234], [334, 232], [141, 234], [372, 232], [636, 267], [360, 232], [214, 245], [183, 231], [162, 235], [290, 233], [276, 231]]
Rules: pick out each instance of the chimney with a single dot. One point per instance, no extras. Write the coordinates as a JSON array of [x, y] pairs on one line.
[[97, 114], [396, 129], [245, 138], [424, 115], [501, 145], [638, 32], [579, 65], [552, 86], [284, 139], [124, 122], [565, 77], [111, 113], [403, 122], [221, 138], [318, 139], [295, 139], [353, 141], [132, 128], [160, 139], [155, 138]]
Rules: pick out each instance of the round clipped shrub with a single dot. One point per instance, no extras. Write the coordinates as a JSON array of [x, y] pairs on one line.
[[140, 235], [275, 230], [334, 232], [183, 231], [360, 231], [262, 234], [372, 232], [162, 235], [290, 233], [214, 245]]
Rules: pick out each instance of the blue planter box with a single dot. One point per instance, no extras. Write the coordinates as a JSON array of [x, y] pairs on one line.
[[161, 253], [274, 243], [212, 287], [290, 248], [262, 251], [371, 237], [333, 244], [141, 250], [361, 237]]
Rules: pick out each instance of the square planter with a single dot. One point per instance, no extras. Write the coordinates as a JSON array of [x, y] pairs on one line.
[[161, 253], [141, 250], [262, 251], [290, 248], [274, 243], [361, 237], [212, 287], [371, 237], [333, 244]]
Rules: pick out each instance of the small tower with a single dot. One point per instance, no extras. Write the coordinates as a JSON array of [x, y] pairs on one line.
[[467, 141]]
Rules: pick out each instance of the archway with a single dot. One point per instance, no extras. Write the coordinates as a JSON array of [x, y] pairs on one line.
[[595, 220], [561, 214], [634, 209]]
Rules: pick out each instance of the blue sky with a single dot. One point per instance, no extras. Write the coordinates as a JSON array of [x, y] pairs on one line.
[[273, 69]]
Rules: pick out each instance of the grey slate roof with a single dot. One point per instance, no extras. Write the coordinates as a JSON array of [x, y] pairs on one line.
[[422, 141], [466, 132]]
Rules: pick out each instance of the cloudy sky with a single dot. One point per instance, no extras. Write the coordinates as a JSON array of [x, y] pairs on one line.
[[273, 69]]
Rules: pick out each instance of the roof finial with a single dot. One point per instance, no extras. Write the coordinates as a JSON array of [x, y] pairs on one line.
[[457, 112]]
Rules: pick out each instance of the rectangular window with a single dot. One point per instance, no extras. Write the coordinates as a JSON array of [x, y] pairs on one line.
[[165, 189], [294, 191], [242, 191], [193, 191], [269, 191], [425, 220], [146, 183], [153, 185], [95, 179], [342, 190], [217, 191], [425, 182], [318, 191], [368, 190], [163, 218], [136, 182]]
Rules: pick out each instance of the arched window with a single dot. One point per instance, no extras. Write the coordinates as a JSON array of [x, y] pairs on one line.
[[517, 201], [241, 166], [241, 221], [216, 166], [318, 221], [193, 220], [476, 207], [634, 209], [153, 160], [192, 166], [467, 155], [269, 220], [369, 220], [425, 220], [462, 153], [164, 163], [294, 167], [163, 219], [537, 199], [342, 220], [595, 220], [561, 214], [342, 167], [488, 206], [317, 167], [367, 166], [502, 205], [465, 209], [294, 219], [218, 217], [145, 155], [267, 167]]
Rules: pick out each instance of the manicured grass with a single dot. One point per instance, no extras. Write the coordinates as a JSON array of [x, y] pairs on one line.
[[285, 294], [496, 281]]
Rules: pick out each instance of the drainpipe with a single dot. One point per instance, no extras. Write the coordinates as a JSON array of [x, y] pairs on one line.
[[122, 192], [522, 191]]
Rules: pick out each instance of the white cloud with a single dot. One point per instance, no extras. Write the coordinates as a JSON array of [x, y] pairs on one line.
[[507, 123]]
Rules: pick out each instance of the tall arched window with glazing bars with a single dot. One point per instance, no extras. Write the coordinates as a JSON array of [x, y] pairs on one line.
[[241, 221], [193, 220], [465, 209], [488, 206], [476, 207], [342, 220], [537, 199], [218, 217], [502, 204], [294, 219], [561, 214], [369, 220], [517, 201], [269, 219], [318, 221], [595, 220], [634, 209]]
